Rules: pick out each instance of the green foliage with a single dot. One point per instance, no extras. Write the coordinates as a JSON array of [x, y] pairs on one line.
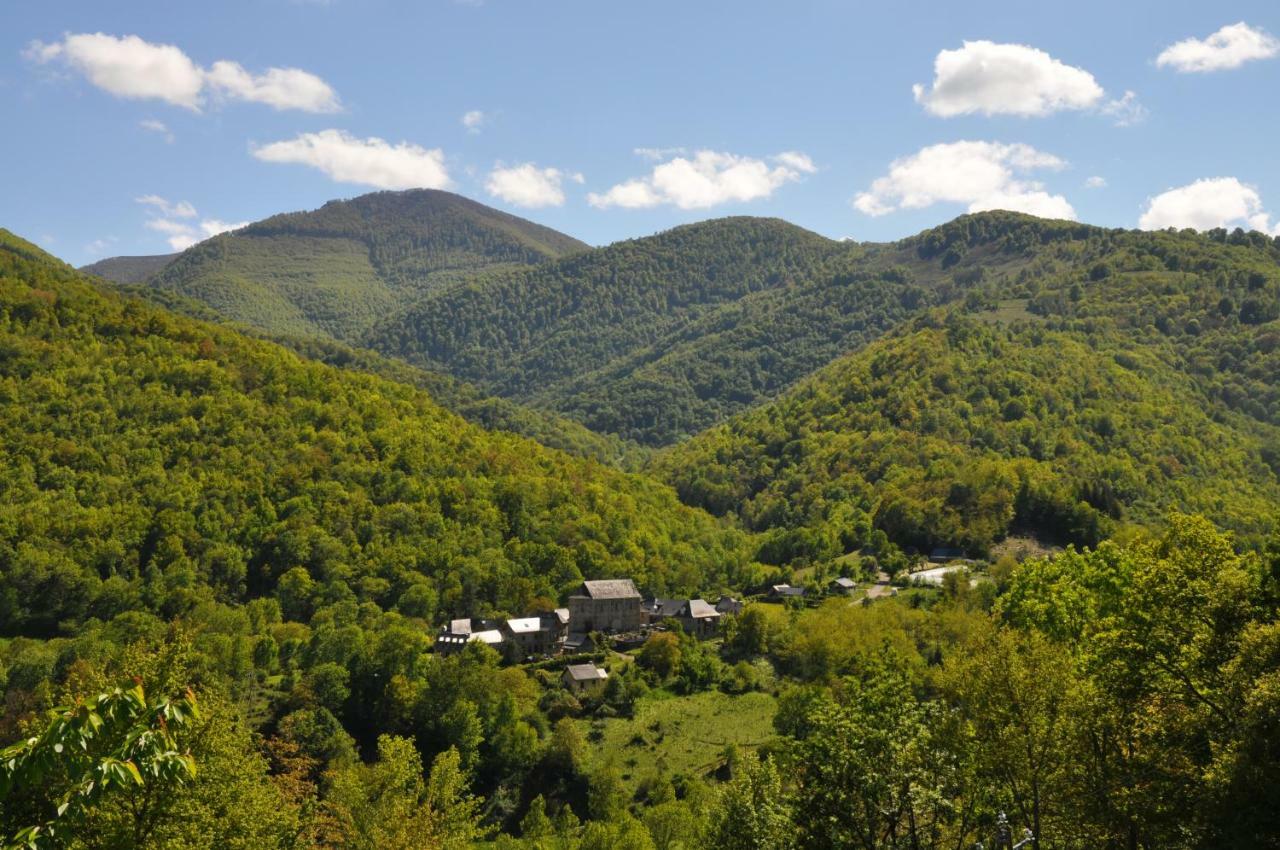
[[387, 805], [754, 812], [101, 748]]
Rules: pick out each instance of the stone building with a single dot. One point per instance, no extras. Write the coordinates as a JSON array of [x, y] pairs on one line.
[[613, 605]]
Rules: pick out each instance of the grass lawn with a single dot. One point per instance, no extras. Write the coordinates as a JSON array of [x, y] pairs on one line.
[[682, 734]]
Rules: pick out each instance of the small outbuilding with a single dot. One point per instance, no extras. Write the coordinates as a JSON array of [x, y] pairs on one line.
[[783, 592], [729, 605], [581, 677], [843, 585]]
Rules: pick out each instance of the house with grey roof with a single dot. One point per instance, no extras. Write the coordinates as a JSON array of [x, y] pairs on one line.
[[842, 585], [612, 605], [698, 618], [527, 636], [581, 677], [728, 605], [459, 633]]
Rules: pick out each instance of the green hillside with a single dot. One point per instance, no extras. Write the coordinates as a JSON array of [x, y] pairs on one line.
[[150, 461], [658, 338], [129, 269], [955, 431], [580, 328], [332, 272]]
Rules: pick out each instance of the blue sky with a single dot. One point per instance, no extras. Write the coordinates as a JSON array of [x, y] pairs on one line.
[[791, 109]]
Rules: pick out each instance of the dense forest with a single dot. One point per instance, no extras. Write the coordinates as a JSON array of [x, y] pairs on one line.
[[224, 552], [659, 338], [1075, 695], [956, 431], [152, 462]]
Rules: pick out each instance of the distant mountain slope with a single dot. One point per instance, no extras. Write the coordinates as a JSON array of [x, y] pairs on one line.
[[332, 272], [490, 412], [658, 338], [531, 334], [129, 269], [954, 432], [149, 461]]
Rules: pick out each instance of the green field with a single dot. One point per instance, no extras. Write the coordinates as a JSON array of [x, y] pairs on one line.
[[683, 735]]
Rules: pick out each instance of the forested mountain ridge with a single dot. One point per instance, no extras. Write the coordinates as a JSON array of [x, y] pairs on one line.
[[958, 429], [658, 338], [569, 334], [332, 272], [154, 462], [129, 269]]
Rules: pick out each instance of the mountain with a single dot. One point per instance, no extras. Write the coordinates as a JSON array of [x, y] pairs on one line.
[[332, 272], [128, 269], [572, 328], [1136, 374], [658, 338], [150, 461]]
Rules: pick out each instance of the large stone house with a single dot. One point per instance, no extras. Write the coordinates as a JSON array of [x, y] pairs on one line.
[[613, 605]]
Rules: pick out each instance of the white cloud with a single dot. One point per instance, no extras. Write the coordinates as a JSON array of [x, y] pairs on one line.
[[706, 179], [1010, 79], [1206, 204], [182, 209], [133, 68], [1095, 183], [983, 175], [279, 88], [151, 125], [1126, 111], [798, 161], [1229, 47], [174, 221], [128, 67], [658, 154], [474, 120], [99, 246], [369, 162], [528, 185]]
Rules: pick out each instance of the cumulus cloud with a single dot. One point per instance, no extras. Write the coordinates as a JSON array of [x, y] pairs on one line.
[[706, 179], [983, 175], [369, 162], [1125, 111], [151, 125], [174, 220], [130, 67], [162, 206], [127, 67], [1206, 204], [474, 120], [528, 185], [1095, 183], [1008, 79], [279, 88], [1229, 47]]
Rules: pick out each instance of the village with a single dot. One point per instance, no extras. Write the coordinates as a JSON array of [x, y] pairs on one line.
[[612, 614]]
